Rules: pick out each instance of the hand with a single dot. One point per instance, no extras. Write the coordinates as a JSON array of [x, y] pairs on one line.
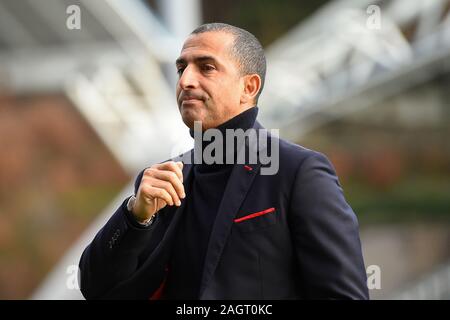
[[161, 185]]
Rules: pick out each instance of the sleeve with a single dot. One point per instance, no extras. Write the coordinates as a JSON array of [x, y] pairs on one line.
[[325, 234], [116, 253]]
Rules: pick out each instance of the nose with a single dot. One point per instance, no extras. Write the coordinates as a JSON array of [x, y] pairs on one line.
[[188, 79]]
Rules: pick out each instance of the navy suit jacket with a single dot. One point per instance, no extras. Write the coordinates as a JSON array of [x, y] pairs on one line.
[[291, 235]]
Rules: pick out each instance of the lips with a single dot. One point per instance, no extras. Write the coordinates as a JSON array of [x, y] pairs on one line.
[[190, 101], [189, 98]]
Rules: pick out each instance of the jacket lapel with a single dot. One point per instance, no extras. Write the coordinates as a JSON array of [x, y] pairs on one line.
[[236, 190]]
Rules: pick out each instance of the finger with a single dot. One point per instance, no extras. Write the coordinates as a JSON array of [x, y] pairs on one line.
[[159, 204], [175, 167], [179, 166], [171, 177], [169, 188], [155, 192], [166, 175], [171, 166]]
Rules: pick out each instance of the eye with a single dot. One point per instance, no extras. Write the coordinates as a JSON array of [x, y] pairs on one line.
[[208, 67], [180, 70]]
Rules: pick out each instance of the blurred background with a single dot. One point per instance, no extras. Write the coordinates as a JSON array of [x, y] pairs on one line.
[[87, 100]]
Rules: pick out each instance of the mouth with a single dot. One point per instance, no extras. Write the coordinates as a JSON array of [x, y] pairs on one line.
[[189, 100]]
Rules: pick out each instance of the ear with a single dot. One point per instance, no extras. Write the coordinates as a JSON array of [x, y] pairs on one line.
[[251, 86]]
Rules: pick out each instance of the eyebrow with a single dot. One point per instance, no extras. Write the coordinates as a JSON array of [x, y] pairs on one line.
[[182, 61]]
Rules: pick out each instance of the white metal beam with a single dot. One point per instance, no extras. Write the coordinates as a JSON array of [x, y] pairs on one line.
[[12, 31], [47, 68], [53, 13]]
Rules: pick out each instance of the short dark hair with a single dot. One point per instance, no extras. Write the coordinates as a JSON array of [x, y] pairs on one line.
[[246, 49]]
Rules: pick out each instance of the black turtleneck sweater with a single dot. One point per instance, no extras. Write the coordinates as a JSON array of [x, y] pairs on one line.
[[202, 203]]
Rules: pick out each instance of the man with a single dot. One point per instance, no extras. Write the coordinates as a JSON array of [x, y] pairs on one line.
[[221, 230]]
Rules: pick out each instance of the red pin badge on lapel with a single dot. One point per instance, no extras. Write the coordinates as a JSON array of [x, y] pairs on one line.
[[248, 168]]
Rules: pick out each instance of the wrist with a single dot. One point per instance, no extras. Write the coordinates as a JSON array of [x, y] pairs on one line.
[[131, 208]]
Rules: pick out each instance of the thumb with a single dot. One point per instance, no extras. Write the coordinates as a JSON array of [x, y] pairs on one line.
[[180, 164]]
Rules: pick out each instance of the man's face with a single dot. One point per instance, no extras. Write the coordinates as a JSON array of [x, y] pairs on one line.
[[209, 87]]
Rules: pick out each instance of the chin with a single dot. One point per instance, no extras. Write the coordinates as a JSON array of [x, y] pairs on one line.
[[189, 118], [190, 115]]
